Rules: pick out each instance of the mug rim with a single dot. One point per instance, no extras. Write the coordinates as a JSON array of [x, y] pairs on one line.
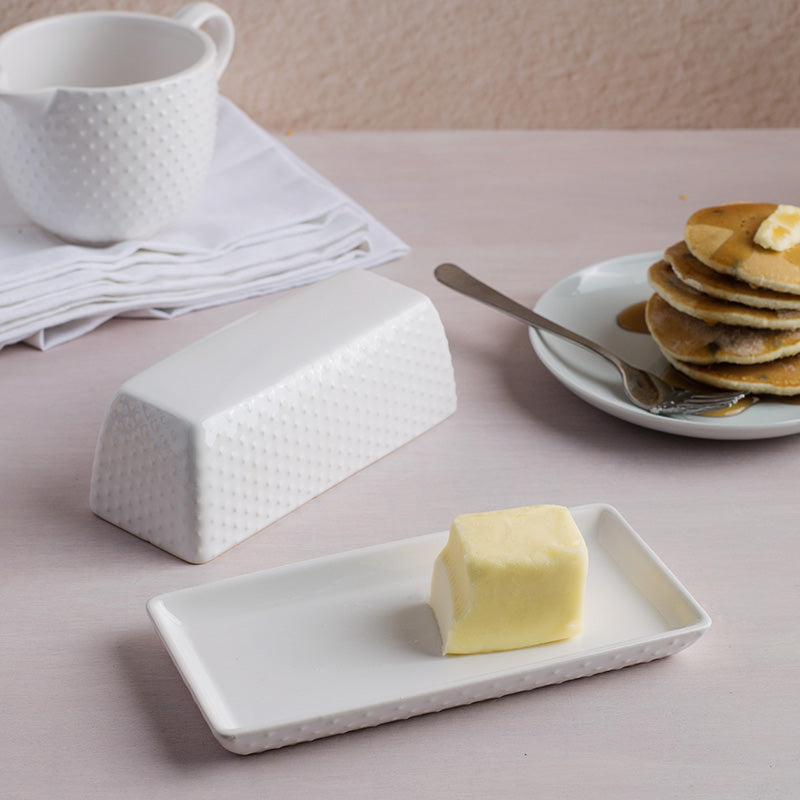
[[209, 48]]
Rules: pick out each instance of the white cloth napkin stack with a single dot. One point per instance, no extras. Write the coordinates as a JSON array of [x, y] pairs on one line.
[[265, 222]]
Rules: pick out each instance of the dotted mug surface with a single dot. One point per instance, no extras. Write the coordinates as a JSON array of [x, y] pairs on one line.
[[108, 118]]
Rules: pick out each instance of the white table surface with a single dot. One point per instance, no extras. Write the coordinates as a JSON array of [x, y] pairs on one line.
[[92, 706]]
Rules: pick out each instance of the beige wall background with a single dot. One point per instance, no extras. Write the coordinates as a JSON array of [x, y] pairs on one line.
[[398, 64]]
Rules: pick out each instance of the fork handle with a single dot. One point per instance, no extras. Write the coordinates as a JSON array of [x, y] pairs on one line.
[[460, 280]]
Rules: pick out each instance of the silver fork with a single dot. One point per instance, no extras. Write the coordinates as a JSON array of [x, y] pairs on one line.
[[642, 388]]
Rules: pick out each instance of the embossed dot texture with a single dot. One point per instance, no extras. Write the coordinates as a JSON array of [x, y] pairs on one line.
[[107, 165]]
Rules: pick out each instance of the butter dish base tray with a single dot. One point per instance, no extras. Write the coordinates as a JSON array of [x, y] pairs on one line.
[[322, 647]]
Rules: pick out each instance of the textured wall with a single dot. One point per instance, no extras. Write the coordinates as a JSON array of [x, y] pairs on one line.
[[502, 63]]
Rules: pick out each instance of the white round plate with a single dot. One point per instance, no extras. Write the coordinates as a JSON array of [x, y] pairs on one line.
[[588, 302]]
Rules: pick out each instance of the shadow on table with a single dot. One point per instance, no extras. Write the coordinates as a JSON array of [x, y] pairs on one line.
[[172, 715], [534, 389]]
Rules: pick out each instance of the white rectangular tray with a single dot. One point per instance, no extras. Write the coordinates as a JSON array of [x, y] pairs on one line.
[[348, 641]]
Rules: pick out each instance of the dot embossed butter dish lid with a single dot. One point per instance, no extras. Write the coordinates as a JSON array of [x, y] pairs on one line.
[[212, 444]]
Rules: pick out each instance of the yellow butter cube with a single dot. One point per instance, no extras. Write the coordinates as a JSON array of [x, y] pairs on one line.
[[780, 230], [509, 579]]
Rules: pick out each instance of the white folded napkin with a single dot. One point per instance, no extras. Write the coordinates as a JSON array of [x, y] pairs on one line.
[[264, 222]]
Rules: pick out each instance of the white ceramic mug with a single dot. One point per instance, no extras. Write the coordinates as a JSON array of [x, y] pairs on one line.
[[108, 118]]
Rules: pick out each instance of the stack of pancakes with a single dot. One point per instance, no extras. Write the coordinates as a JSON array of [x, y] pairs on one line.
[[726, 311]]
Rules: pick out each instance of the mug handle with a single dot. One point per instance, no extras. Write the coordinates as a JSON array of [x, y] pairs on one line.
[[220, 28]]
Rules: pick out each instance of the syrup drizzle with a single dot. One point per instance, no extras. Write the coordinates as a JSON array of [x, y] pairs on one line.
[[632, 318]]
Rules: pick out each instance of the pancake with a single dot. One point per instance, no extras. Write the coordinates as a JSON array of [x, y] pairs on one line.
[[685, 338], [721, 237], [713, 310], [781, 377], [697, 275]]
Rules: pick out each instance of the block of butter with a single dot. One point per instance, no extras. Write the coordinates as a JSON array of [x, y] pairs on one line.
[[780, 230], [509, 579], [210, 445]]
